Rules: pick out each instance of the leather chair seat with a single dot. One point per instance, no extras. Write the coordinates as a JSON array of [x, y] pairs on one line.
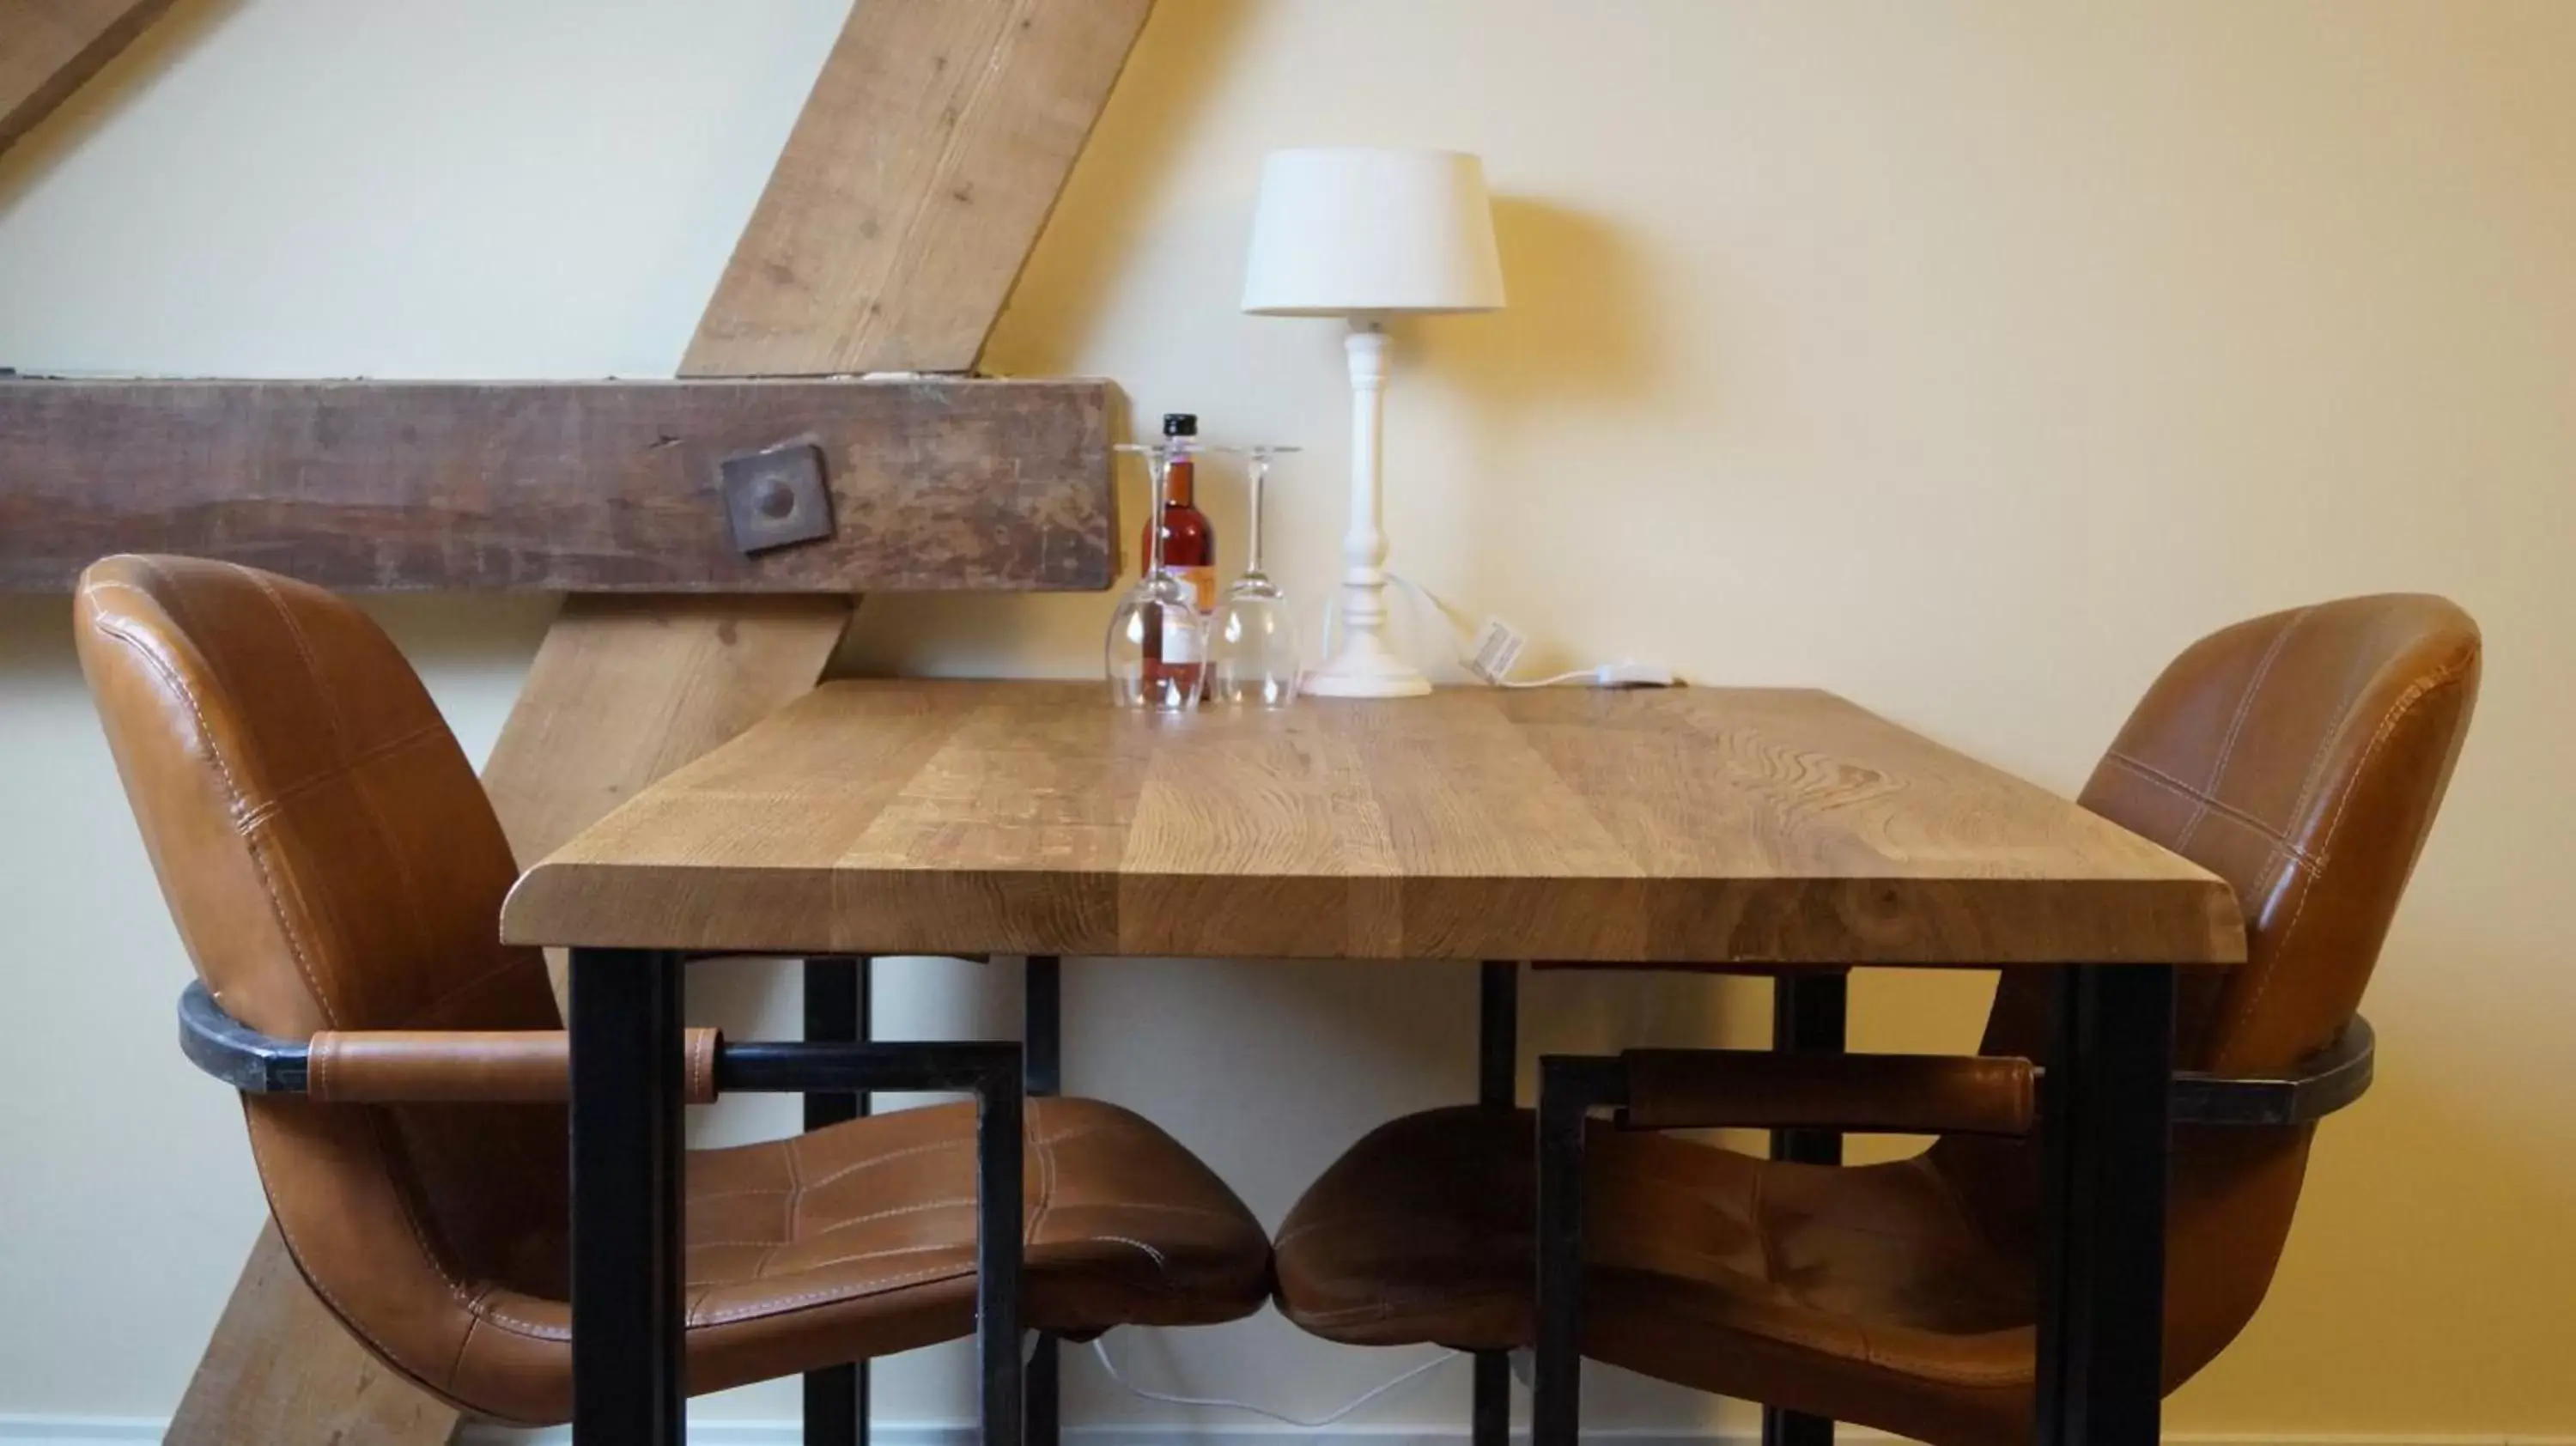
[[858, 1240], [1861, 1291]]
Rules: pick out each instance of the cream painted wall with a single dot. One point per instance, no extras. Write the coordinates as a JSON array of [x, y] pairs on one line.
[[1966, 358]]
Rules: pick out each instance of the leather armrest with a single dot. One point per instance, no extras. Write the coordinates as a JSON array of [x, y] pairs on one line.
[[1908, 1094], [419, 1066]]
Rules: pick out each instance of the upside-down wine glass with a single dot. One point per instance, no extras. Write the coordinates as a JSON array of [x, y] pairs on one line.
[[1252, 639], [1156, 649]]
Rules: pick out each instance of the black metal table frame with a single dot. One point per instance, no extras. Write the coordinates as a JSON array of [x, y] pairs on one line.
[[1808, 1013], [839, 1007], [629, 1377]]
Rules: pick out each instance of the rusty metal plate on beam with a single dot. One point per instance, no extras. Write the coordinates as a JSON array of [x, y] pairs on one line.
[[775, 497]]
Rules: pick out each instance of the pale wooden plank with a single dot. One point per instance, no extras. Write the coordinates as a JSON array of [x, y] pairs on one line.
[[50, 48], [917, 178], [1694, 826], [281, 1371], [623, 690], [557, 486]]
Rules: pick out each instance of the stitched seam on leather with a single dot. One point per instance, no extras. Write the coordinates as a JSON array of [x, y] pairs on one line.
[[351, 766], [2397, 714], [1336, 1222], [347, 1318], [788, 1213], [456, 992], [2236, 726], [356, 761], [380, 1122], [1390, 1305], [232, 790], [710, 1287], [915, 1209], [1762, 1231], [1174, 1209], [1162, 1267], [517, 1327], [2280, 841], [731, 1195], [473, 1319], [873, 1161], [850, 1292], [1046, 1190]]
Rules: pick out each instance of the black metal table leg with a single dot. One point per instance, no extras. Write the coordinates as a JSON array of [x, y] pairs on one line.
[[836, 1011], [1042, 1036], [627, 1344], [999, 1190], [1498, 1005], [2106, 1099], [1569, 1089], [1809, 1014]]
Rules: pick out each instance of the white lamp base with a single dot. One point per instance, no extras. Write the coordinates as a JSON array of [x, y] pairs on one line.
[[1364, 666], [1365, 669]]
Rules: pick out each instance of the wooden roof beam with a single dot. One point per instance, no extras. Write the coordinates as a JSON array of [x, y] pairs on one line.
[[48, 48]]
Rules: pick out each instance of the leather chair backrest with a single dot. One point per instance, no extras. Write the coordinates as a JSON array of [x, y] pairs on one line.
[[332, 863], [2300, 757]]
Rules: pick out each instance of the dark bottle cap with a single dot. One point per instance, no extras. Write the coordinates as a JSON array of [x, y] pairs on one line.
[[1180, 424]]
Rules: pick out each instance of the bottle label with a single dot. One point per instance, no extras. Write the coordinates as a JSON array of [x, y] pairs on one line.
[[1182, 629], [1201, 581]]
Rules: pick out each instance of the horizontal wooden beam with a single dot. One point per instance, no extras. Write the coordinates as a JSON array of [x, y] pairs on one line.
[[935, 485], [49, 47]]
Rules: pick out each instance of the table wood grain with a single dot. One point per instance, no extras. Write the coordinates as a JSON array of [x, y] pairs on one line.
[[1692, 825]]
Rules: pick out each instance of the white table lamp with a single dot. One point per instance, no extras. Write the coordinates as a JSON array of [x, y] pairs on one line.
[[1367, 234]]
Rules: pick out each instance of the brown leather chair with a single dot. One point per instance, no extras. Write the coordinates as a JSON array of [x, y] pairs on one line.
[[2300, 756], [337, 875]]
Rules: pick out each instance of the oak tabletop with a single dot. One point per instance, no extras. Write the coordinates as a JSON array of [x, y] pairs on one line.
[[1689, 825]]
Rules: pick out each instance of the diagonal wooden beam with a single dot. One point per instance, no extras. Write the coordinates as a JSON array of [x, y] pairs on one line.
[[49, 47], [913, 186], [947, 126]]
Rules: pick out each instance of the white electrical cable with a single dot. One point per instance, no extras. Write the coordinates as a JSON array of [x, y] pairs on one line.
[[1623, 673], [1592, 673], [1439, 610], [1100, 1348]]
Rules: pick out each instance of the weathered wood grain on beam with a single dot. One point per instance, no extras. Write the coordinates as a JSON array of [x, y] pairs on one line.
[[49, 47], [913, 186], [281, 1370], [557, 486]]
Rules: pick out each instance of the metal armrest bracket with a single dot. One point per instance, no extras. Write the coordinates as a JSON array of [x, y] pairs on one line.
[[2321, 1084]]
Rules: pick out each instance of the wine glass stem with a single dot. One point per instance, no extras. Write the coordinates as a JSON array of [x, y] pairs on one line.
[[1260, 475], [1162, 468]]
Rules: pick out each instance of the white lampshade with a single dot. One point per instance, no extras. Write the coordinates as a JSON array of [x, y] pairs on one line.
[[1354, 231]]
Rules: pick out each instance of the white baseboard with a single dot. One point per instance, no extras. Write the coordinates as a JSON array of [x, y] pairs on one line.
[[23, 1430]]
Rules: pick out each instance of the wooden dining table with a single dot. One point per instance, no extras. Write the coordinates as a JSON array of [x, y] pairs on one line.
[[1773, 830]]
